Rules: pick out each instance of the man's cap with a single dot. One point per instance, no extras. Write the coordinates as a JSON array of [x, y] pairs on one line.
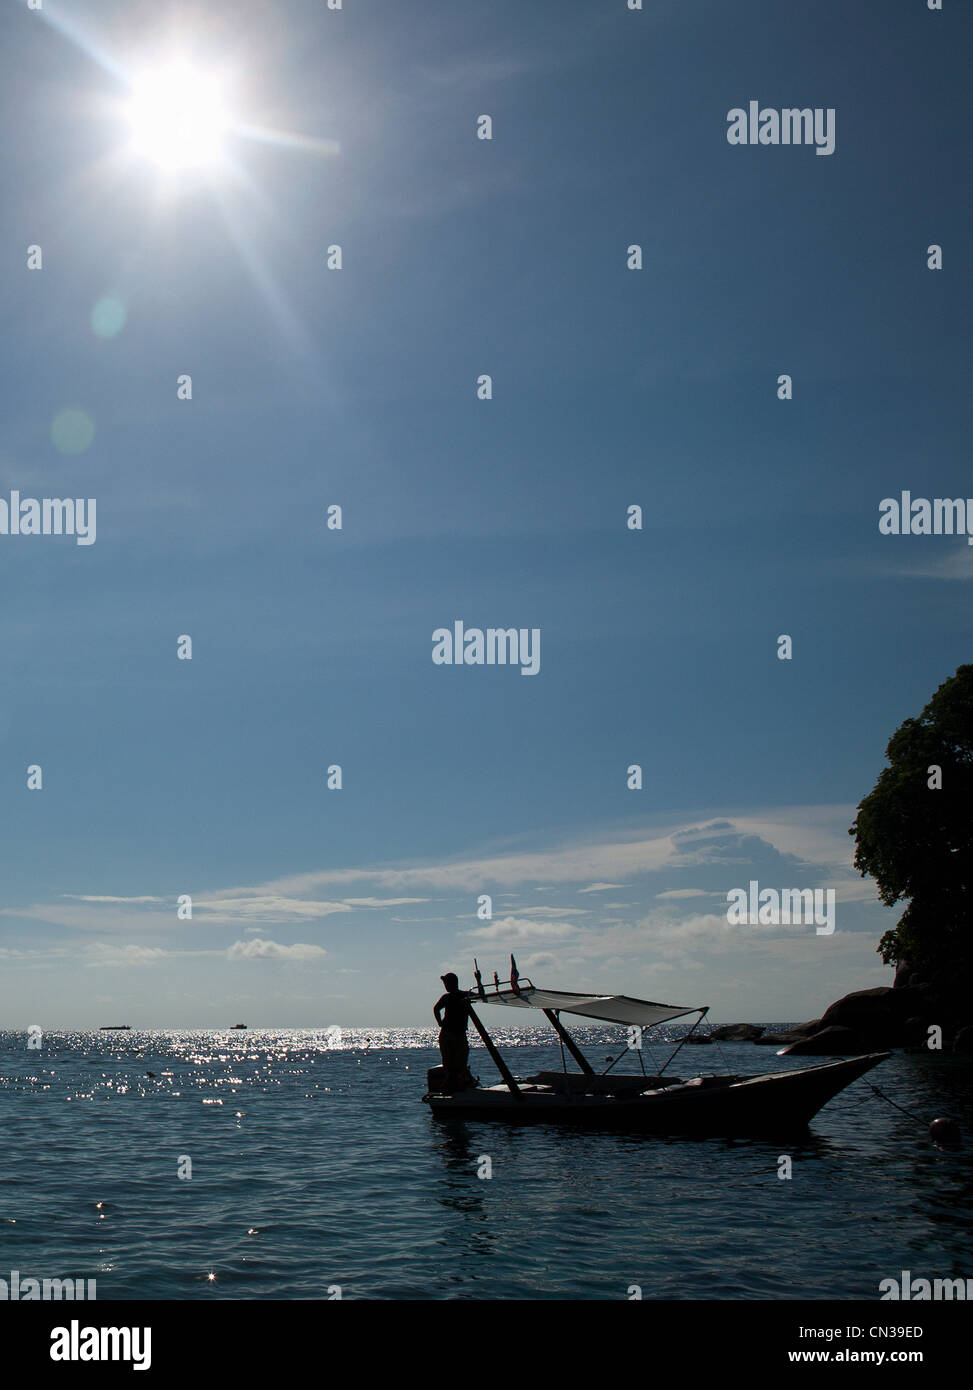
[[449, 976]]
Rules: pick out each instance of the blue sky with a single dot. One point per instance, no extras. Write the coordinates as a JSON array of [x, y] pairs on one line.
[[357, 387]]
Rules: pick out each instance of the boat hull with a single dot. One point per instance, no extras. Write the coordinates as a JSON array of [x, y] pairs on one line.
[[770, 1104]]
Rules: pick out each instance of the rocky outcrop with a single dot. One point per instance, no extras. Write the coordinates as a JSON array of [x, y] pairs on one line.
[[737, 1032], [795, 1034], [885, 1017], [905, 975], [829, 1042], [868, 1020]]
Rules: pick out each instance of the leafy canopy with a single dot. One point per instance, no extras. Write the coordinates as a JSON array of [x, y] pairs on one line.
[[916, 841]]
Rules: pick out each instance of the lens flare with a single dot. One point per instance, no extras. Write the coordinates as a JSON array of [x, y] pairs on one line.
[[177, 117]]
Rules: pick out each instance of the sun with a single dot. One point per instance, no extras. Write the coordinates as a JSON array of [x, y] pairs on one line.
[[177, 117]]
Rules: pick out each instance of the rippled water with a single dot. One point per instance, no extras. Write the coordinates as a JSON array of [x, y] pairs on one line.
[[315, 1166]]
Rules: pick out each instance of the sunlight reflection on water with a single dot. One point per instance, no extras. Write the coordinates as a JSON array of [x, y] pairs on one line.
[[315, 1164]]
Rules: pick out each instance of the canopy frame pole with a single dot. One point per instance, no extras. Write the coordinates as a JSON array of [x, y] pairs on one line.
[[702, 1015], [495, 1057], [552, 1017], [611, 1062]]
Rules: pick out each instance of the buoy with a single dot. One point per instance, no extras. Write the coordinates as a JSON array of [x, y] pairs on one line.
[[944, 1131]]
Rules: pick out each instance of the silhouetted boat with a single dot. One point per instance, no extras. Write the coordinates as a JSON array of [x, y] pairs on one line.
[[238, 1025], [116, 1028], [741, 1105]]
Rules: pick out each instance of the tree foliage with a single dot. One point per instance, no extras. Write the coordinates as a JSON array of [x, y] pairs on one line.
[[916, 841]]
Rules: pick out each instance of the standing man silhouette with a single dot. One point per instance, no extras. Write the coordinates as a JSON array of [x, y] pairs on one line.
[[452, 1013]]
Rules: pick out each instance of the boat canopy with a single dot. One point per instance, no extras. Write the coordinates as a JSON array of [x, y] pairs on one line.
[[611, 1008]]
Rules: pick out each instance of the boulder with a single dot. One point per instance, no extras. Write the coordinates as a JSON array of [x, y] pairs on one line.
[[905, 975], [830, 1041], [697, 1040], [863, 1007], [737, 1032], [879, 1015], [915, 1032], [800, 1030], [878, 1019]]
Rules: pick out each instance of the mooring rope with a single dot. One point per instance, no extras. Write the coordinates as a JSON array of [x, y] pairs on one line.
[[883, 1096]]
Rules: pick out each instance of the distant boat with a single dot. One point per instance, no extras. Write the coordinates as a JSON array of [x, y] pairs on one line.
[[239, 1025], [116, 1027], [704, 1105]]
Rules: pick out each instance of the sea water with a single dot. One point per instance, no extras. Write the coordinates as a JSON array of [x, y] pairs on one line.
[[279, 1165]]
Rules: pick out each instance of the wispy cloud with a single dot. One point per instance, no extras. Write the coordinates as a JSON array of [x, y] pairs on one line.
[[111, 955], [123, 916], [553, 912], [951, 564], [260, 949], [382, 902], [516, 929], [473, 70], [272, 907], [813, 838], [92, 898], [574, 864]]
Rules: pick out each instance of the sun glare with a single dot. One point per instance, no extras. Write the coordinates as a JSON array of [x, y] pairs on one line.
[[177, 118]]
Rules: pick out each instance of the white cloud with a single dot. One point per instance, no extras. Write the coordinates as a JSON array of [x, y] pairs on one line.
[[268, 908], [573, 864], [554, 912], [858, 890], [105, 955], [814, 834], [34, 953], [259, 949], [811, 836], [514, 929], [477, 70], [92, 898], [954, 563], [96, 917], [382, 902], [538, 960]]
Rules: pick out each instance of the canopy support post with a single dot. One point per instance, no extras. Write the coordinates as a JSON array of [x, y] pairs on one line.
[[495, 1057], [575, 1051], [702, 1015]]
